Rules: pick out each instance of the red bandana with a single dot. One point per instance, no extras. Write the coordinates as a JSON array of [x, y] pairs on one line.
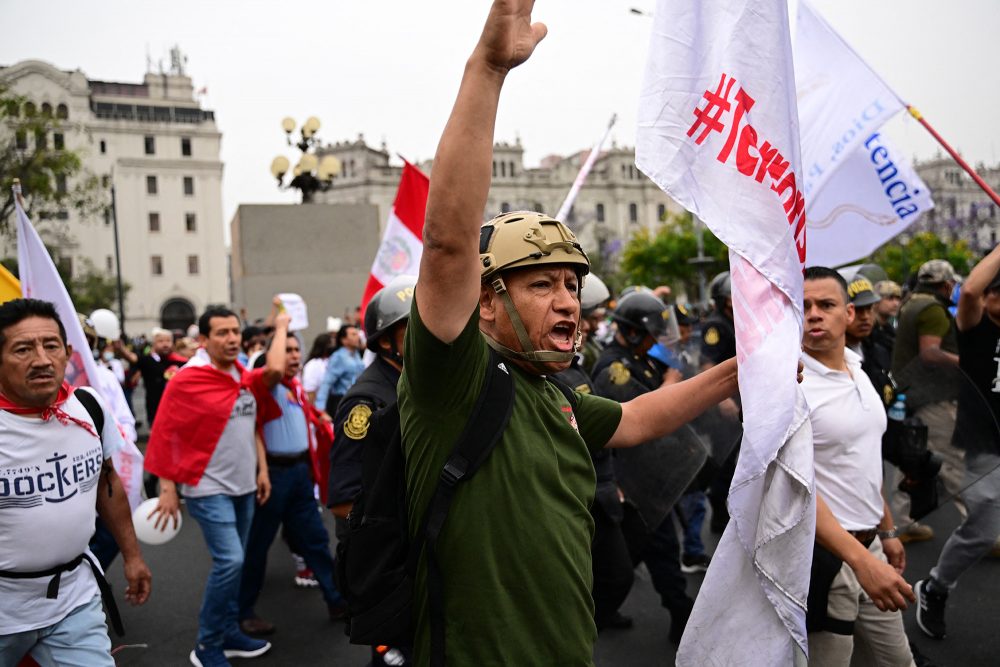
[[48, 412]]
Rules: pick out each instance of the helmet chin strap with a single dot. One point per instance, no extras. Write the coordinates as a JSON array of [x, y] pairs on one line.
[[537, 358]]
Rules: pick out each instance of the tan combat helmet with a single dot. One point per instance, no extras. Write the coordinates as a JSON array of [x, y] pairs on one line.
[[523, 239]]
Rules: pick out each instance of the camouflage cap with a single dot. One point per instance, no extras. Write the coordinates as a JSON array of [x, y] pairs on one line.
[[888, 288], [861, 292], [937, 271]]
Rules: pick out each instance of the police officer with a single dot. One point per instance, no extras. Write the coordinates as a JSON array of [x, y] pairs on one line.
[[623, 372], [385, 325], [613, 573], [876, 358], [718, 343]]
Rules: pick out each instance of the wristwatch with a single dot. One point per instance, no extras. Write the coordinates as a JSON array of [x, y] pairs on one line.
[[890, 534]]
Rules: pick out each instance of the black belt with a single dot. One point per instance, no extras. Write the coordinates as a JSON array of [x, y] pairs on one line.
[[52, 592], [866, 537], [287, 460]]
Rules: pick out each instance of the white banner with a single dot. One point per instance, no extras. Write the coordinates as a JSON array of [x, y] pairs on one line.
[[875, 195], [841, 100], [40, 280], [718, 131], [295, 306]]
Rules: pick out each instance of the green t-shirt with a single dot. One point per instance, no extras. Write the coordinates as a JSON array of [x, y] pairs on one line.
[[515, 550]]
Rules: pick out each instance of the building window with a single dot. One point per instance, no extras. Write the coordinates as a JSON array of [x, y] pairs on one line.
[[104, 147], [107, 216], [58, 141], [150, 143], [21, 140], [189, 185], [661, 212], [154, 222], [41, 141], [109, 263], [151, 185], [186, 146], [30, 109], [156, 265], [633, 212], [61, 184], [105, 181], [494, 168], [512, 170], [62, 112], [538, 207], [504, 207], [46, 110], [600, 212], [193, 265], [190, 222]]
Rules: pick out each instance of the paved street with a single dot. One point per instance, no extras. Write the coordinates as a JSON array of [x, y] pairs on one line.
[[167, 625]]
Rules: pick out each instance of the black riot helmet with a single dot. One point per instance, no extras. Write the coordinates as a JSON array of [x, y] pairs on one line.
[[721, 287], [388, 307], [639, 313]]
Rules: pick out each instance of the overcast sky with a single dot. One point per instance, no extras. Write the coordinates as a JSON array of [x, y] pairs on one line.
[[389, 69]]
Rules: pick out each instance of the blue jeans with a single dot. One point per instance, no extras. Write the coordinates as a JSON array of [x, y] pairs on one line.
[[692, 508], [291, 503], [80, 640], [225, 523]]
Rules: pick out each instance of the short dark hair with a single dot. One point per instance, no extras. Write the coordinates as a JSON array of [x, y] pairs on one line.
[[249, 331], [342, 333], [16, 310], [205, 321], [821, 272]]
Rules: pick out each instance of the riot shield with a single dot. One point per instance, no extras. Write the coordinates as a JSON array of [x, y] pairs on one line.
[[951, 420], [656, 473]]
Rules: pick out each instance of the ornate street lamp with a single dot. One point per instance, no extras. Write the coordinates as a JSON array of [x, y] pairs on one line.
[[310, 174]]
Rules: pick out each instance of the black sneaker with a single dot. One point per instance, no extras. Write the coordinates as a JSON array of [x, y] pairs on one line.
[[691, 564], [930, 609]]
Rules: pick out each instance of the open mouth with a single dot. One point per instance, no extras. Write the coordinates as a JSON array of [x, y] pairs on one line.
[[562, 336]]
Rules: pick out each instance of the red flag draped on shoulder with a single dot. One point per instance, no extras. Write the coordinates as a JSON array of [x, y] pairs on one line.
[[402, 244], [718, 131], [193, 413]]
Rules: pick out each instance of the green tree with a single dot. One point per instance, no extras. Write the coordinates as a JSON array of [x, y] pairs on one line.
[[664, 258], [32, 149], [900, 259]]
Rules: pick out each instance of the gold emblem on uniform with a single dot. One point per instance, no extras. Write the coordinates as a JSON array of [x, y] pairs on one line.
[[356, 426], [712, 336], [887, 394], [619, 373]]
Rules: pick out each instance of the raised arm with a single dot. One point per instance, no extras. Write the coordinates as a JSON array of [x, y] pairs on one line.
[[277, 354], [970, 301], [448, 290]]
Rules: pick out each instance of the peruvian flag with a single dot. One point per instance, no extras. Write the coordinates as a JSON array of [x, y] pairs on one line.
[[719, 132], [402, 244]]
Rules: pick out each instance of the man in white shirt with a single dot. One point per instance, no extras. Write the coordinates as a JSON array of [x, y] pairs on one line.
[[55, 477], [857, 590]]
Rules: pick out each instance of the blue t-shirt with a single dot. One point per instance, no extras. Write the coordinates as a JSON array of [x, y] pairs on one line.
[[342, 370], [287, 434]]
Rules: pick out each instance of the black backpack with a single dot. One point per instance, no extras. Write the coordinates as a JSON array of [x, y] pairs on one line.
[[376, 558]]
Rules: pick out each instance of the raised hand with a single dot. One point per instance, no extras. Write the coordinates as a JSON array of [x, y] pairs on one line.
[[509, 37]]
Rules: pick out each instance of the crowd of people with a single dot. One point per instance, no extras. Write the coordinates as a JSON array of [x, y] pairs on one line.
[[617, 442]]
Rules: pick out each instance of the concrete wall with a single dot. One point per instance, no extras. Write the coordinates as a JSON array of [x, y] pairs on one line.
[[322, 252]]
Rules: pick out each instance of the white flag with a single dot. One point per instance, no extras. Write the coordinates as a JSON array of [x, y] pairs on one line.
[[718, 131], [875, 195], [841, 100], [40, 280]]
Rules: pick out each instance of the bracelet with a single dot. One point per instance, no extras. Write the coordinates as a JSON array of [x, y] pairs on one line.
[[890, 534]]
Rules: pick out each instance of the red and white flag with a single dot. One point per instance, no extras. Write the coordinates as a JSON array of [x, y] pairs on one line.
[[40, 280], [718, 131], [402, 244]]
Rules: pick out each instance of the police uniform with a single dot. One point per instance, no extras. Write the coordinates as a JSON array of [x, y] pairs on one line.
[[718, 339], [612, 562], [375, 388], [622, 375]]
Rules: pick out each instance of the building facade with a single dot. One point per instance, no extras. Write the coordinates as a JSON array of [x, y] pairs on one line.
[[961, 209], [616, 201], [159, 151]]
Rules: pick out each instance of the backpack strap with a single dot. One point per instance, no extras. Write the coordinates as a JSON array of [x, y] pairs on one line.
[[566, 390], [93, 409], [482, 432]]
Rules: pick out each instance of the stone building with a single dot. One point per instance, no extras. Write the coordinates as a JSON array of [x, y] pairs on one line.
[[616, 200], [159, 149], [961, 209]]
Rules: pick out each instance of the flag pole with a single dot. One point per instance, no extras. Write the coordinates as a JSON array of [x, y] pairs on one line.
[[584, 171], [954, 154]]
